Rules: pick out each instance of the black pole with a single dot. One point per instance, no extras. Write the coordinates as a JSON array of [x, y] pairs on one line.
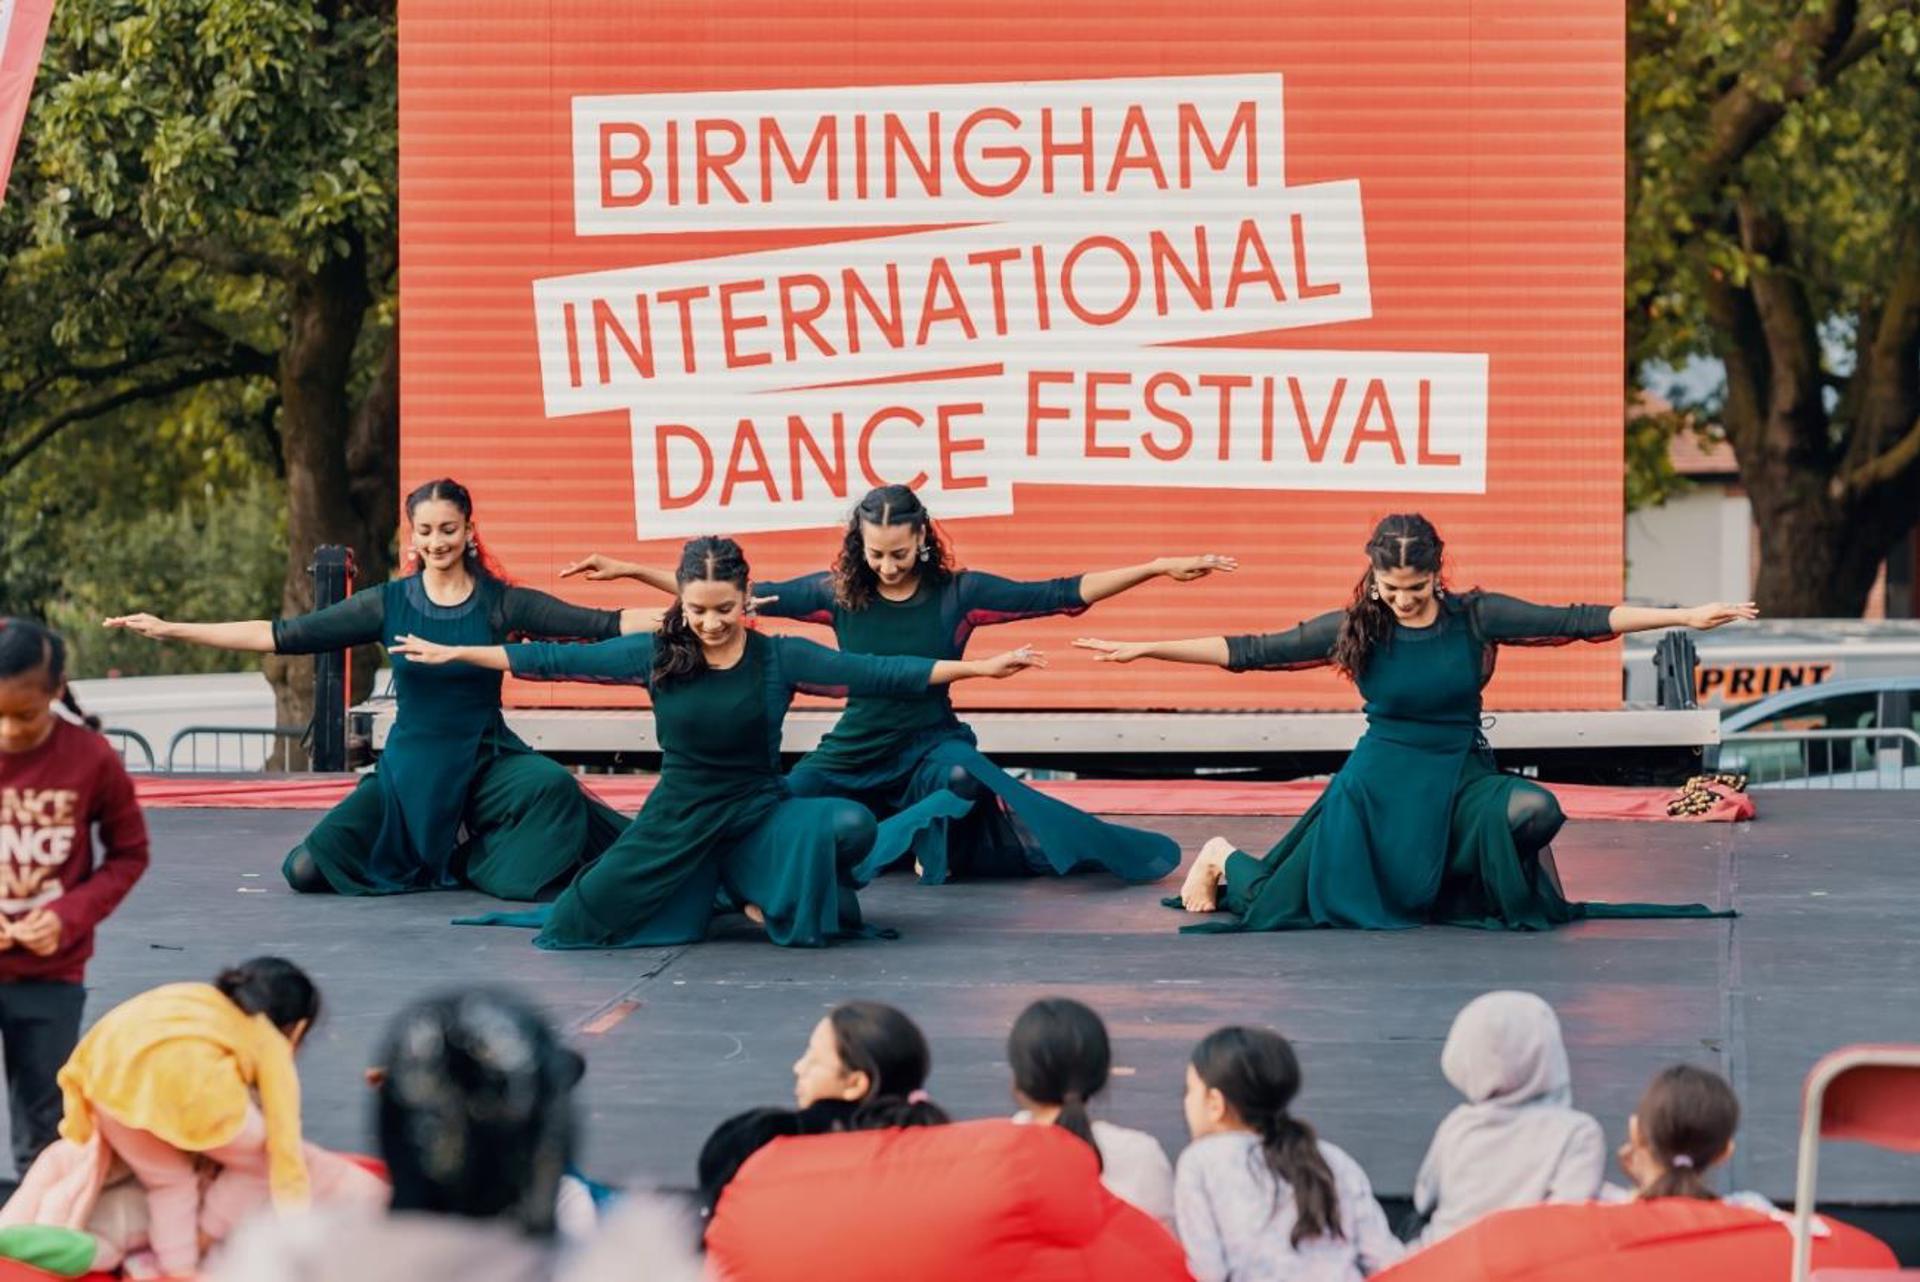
[[1676, 662], [332, 571]]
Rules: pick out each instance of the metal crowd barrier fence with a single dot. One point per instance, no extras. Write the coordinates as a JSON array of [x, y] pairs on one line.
[[1824, 759], [127, 743], [235, 749]]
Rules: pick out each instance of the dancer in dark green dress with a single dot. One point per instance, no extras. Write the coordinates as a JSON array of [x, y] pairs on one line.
[[1419, 825], [457, 799], [721, 819], [894, 591]]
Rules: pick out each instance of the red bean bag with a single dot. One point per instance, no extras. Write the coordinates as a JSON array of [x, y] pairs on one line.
[[961, 1203], [1666, 1238]]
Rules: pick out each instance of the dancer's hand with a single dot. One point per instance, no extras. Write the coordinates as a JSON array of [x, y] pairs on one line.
[[1114, 651], [38, 932], [1005, 665], [1185, 569], [151, 626], [1705, 618], [421, 650], [6, 934], [598, 568]]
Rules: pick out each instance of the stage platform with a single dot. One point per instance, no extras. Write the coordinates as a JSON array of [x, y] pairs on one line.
[[676, 1039]]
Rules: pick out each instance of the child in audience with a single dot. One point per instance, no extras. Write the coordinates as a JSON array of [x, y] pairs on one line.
[[476, 1124], [1060, 1057], [865, 1068], [59, 783], [193, 1073], [1682, 1129], [1518, 1139], [870, 1062], [1256, 1195]]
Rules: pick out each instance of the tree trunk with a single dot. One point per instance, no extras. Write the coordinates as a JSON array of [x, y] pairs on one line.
[[1818, 558], [324, 318]]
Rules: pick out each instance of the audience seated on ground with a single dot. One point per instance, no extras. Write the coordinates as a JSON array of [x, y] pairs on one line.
[[865, 1067], [1257, 1194], [1060, 1057], [1517, 1140], [1674, 1226]]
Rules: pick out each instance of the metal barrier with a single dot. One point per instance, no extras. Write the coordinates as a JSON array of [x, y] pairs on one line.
[[125, 740], [1835, 759], [275, 749]]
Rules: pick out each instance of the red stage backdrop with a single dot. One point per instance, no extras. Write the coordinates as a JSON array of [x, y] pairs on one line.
[[1105, 280]]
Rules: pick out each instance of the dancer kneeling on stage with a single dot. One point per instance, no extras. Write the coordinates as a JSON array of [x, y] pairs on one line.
[[894, 590], [451, 766], [1419, 825], [721, 816]]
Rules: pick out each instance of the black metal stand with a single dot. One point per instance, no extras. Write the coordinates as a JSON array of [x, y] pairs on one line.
[[1675, 664], [332, 571]]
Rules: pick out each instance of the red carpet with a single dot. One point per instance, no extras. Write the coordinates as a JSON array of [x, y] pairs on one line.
[[1099, 796]]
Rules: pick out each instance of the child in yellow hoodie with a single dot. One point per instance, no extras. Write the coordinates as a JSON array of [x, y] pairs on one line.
[[193, 1074]]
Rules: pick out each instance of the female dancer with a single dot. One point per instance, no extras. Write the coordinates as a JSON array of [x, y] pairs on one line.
[[450, 761], [1419, 825], [894, 590], [721, 817]]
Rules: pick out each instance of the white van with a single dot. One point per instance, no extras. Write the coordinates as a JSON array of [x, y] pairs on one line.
[[1750, 661]]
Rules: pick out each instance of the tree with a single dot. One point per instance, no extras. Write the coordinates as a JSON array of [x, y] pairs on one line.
[[204, 207], [1774, 223]]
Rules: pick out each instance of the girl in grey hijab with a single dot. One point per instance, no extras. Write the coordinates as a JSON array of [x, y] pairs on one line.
[[1517, 1140]]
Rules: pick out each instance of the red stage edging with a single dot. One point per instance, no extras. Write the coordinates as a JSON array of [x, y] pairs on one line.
[[1099, 796]]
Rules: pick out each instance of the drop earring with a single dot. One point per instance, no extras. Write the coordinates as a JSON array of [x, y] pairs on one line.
[[1373, 593], [926, 553]]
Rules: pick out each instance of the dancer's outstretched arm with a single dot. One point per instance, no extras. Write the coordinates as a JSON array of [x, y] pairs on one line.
[[598, 568], [1310, 645], [1101, 584], [1509, 619], [358, 620], [1701, 618]]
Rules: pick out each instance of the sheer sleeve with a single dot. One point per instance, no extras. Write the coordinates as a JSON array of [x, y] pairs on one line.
[[816, 669], [1512, 621], [1309, 645], [808, 598], [987, 598], [535, 614], [361, 619], [626, 660]]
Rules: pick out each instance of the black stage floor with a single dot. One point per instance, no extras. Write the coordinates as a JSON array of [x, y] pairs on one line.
[[678, 1038]]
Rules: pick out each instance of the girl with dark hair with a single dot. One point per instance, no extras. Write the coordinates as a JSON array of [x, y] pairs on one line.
[[1257, 1194], [1682, 1129], [457, 799], [872, 1059], [60, 783], [721, 816], [894, 590], [188, 1074], [1060, 1057], [865, 1068], [1419, 825]]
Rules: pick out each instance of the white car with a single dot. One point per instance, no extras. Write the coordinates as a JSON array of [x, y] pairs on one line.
[[1885, 760]]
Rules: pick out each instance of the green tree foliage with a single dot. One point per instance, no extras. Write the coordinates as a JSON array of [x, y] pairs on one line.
[[1774, 223], [200, 237], [215, 560]]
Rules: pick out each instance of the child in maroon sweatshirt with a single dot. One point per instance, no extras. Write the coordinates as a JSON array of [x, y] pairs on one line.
[[58, 781]]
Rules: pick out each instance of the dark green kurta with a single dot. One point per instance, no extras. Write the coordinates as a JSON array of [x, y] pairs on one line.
[[721, 815], [450, 759], [1414, 828], [893, 751]]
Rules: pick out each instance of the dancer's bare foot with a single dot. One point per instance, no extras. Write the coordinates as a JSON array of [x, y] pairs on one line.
[[755, 914], [1200, 892]]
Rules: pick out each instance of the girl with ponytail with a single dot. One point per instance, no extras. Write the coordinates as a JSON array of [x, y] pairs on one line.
[[1060, 1057], [1420, 825], [1257, 1194], [721, 820], [61, 784], [450, 763], [1683, 1128], [894, 590]]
